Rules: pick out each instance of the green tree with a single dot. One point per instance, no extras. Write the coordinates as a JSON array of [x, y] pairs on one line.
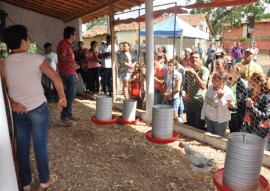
[[233, 15], [99, 21]]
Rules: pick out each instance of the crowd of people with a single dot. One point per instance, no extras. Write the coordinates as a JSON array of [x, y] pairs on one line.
[[212, 87], [227, 90]]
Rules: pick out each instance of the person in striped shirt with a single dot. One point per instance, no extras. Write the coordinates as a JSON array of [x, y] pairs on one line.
[[67, 71]]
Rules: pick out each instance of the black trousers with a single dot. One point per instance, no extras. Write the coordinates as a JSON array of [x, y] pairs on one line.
[[93, 79]]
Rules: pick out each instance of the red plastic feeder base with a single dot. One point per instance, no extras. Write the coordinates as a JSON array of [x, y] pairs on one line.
[[121, 120], [150, 138], [99, 122], [218, 176]]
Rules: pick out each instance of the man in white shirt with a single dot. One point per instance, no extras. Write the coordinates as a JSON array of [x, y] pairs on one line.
[[51, 58], [106, 59]]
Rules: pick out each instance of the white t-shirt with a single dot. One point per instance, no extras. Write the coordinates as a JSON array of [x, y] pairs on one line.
[[52, 60], [107, 62], [23, 78]]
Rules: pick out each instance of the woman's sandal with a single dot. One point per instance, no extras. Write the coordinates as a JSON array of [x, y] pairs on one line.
[[28, 187], [51, 181]]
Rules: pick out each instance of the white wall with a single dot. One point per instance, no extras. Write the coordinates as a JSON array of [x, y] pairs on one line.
[[8, 180], [41, 28]]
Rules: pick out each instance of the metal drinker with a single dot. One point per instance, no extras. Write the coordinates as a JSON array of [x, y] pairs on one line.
[[129, 110], [103, 108], [162, 121], [243, 161]]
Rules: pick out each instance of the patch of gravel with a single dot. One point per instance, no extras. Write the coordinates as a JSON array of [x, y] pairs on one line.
[[94, 157]]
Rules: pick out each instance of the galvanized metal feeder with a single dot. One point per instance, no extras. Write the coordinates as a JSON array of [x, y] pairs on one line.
[[129, 112], [162, 125], [103, 111], [242, 164]]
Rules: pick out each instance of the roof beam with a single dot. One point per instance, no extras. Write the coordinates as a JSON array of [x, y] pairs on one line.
[[91, 11]]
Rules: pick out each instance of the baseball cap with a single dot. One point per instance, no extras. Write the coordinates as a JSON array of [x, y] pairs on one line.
[[250, 50], [188, 50]]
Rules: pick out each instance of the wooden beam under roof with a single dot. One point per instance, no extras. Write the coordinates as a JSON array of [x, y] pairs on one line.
[[68, 10]]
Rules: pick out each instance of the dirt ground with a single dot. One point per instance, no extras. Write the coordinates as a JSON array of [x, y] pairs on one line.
[[118, 157]]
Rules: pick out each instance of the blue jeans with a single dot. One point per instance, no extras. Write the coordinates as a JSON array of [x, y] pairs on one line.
[[210, 61], [144, 57], [69, 82], [174, 103], [180, 108], [34, 123], [107, 86]]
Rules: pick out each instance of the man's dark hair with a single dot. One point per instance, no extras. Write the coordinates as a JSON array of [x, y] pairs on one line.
[[93, 42], [108, 37], [164, 50], [69, 31], [47, 44], [80, 43], [13, 36], [196, 52]]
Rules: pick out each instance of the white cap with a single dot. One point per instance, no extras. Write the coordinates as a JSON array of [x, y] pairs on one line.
[[250, 50], [188, 50]]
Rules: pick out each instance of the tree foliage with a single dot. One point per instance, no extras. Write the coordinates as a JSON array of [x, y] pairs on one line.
[[99, 21], [233, 15]]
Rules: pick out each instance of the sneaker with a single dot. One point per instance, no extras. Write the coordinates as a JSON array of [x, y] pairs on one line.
[[51, 181], [180, 119]]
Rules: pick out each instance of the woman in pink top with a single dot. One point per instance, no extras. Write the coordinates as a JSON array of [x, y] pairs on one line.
[[93, 66]]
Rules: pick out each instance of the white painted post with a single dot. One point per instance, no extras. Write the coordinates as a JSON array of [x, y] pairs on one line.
[[149, 61], [8, 180]]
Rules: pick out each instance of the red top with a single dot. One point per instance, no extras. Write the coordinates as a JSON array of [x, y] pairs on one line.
[[160, 74], [65, 48]]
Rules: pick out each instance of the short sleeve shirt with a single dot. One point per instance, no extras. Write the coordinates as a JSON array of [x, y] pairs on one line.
[[237, 52], [171, 82], [23, 78], [65, 48], [249, 70], [192, 87]]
